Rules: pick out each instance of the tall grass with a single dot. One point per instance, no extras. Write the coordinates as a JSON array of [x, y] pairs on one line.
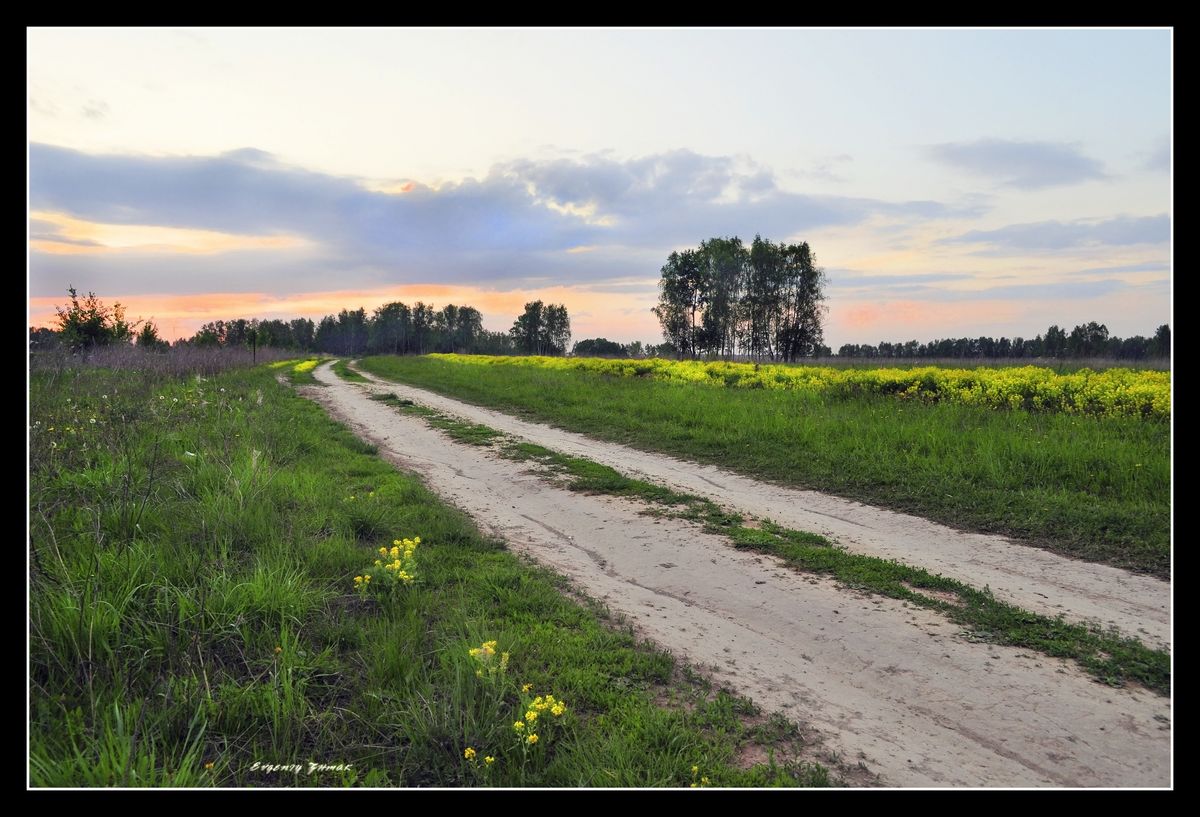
[[193, 545], [1096, 488], [178, 360]]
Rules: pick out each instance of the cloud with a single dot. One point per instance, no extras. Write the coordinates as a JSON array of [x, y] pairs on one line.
[[517, 223], [45, 108], [852, 279], [1054, 291], [823, 169], [1042, 236], [1159, 159], [1024, 165], [95, 109], [1148, 266], [925, 287]]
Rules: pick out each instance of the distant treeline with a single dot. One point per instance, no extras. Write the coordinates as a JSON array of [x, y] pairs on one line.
[[545, 329], [1085, 340], [395, 328]]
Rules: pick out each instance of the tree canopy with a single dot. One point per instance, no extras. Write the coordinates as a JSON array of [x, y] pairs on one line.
[[87, 322], [542, 329], [724, 298]]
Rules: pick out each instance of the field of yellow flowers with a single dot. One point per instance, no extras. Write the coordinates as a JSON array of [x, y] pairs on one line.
[[1111, 392]]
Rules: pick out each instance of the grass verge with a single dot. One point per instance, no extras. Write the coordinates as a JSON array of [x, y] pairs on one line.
[[193, 549], [1108, 656], [1095, 488], [341, 368]]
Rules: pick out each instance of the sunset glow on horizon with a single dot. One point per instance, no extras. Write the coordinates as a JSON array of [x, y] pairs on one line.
[[951, 183]]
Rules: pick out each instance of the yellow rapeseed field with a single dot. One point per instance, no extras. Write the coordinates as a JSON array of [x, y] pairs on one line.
[[1138, 393]]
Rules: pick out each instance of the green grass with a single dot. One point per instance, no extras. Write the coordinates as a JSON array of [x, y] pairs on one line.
[[463, 432], [1108, 656], [1095, 488], [342, 369], [192, 557]]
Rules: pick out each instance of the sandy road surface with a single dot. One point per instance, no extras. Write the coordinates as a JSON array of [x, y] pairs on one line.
[[898, 687], [1037, 580]]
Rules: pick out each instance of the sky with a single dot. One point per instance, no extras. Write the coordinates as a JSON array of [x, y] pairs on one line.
[[950, 182]]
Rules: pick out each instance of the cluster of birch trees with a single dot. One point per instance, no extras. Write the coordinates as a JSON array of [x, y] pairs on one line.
[[724, 299]]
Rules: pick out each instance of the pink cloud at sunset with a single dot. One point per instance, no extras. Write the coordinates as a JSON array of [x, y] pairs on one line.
[[74, 236]]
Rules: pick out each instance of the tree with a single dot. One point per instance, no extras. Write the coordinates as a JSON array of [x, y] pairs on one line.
[[721, 299], [494, 343], [800, 329], [303, 333], [542, 329], [600, 347], [1087, 340], [1055, 342], [42, 338], [327, 337], [148, 338], [422, 327], [1162, 341], [680, 300], [761, 308], [527, 328], [556, 336], [467, 329], [87, 322], [725, 263]]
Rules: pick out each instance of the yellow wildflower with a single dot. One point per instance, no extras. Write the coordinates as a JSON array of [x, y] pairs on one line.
[[208, 765], [558, 709], [532, 739], [469, 753], [489, 760], [525, 687], [519, 726], [531, 716]]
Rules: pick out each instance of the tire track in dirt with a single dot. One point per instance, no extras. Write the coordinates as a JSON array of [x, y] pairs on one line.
[[894, 686], [1031, 578]]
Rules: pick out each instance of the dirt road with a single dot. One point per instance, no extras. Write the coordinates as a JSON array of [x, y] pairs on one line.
[[1034, 579], [897, 687]]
